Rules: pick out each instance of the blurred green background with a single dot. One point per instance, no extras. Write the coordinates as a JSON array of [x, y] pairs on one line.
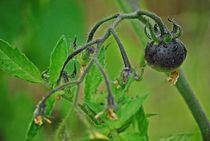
[[35, 27]]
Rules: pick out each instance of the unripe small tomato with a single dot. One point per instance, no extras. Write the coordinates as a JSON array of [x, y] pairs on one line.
[[165, 56]]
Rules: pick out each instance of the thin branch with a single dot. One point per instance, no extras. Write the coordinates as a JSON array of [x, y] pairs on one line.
[[122, 50], [99, 41], [109, 89], [79, 80], [98, 24], [76, 52], [70, 83], [58, 89], [110, 97], [119, 17], [156, 18]]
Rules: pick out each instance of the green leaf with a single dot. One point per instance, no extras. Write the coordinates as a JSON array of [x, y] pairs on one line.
[[120, 93], [178, 137], [142, 122], [127, 114], [67, 127], [91, 109], [57, 59], [32, 130], [94, 77], [33, 127], [16, 63], [129, 109]]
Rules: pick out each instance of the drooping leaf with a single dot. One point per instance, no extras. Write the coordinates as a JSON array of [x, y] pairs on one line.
[[57, 59], [32, 130], [94, 77], [16, 63], [177, 137], [142, 122]]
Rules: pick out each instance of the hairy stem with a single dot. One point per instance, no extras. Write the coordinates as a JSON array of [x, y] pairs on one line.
[[193, 104]]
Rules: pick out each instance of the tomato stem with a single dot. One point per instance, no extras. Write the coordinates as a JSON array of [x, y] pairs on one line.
[[193, 104]]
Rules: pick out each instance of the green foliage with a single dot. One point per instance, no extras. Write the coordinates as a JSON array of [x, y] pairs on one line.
[[129, 109], [94, 78], [32, 130], [34, 26], [57, 59], [131, 122], [142, 122], [120, 128], [16, 63]]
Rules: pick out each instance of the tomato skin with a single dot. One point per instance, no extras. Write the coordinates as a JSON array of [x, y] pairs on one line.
[[165, 56]]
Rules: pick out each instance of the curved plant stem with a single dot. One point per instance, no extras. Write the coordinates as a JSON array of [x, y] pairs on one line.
[[189, 96], [119, 17], [98, 24], [156, 18], [76, 52], [110, 97], [122, 49]]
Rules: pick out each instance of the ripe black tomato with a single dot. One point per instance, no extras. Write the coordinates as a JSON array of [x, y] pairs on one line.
[[165, 56]]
